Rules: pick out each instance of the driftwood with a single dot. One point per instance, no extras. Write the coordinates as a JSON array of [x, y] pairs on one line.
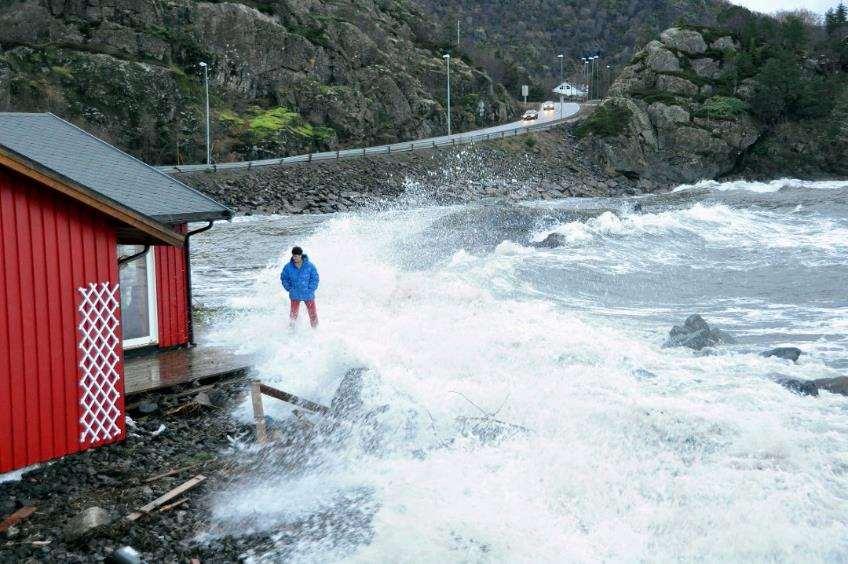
[[161, 500], [16, 517], [295, 400], [171, 472], [171, 506]]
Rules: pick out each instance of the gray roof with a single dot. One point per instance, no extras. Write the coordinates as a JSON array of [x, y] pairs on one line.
[[63, 148]]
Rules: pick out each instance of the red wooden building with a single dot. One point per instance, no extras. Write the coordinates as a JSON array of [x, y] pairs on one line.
[[94, 254]]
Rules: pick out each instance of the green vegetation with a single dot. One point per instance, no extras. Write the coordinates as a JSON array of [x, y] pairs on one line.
[[610, 119], [263, 124], [651, 96], [722, 107]]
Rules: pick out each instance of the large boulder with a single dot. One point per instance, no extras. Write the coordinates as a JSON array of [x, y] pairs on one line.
[[685, 40], [837, 385], [696, 334], [661, 59], [706, 67], [800, 387], [725, 44], [676, 85], [667, 117], [788, 353]]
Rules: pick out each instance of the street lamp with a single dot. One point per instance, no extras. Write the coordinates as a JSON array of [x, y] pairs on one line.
[[561, 83], [593, 58], [447, 66], [586, 74], [208, 133]]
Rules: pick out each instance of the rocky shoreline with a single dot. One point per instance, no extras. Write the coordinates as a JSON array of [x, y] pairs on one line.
[[105, 485], [547, 165]]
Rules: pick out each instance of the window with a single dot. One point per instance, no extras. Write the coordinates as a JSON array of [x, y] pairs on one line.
[[138, 297]]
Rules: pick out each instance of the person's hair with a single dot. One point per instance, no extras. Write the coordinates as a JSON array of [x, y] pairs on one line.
[[297, 251]]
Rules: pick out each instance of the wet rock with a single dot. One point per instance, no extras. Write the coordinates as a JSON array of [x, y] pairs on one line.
[[148, 407], [788, 353], [87, 523], [801, 387], [551, 241], [124, 555], [347, 400], [695, 333], [837, 385]]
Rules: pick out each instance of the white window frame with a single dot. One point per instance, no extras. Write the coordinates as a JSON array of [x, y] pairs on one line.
[[153, 310]]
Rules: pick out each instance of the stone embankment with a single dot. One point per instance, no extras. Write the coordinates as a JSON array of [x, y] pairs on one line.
[[547, 165]]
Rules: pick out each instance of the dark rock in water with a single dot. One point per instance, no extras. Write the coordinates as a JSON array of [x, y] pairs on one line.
[[643, 374], [833, 385], [696, 334], [86, 523], [637, 207], [801, 387], [124, 555], [551, 241], [348, 398], [147, 407], [789, 353]]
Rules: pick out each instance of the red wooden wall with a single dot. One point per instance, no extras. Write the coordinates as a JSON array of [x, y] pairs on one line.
[[171, 295], [50, 247]]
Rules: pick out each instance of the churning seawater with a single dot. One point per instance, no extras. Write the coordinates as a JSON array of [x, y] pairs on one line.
[[617, 449]]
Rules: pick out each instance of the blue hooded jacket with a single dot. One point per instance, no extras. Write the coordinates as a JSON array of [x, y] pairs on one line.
[[302, 282]]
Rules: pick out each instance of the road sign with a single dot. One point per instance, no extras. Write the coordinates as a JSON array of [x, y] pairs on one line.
[[525, 90]]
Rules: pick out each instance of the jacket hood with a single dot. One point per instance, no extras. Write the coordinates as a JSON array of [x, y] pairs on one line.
[[305, 258]]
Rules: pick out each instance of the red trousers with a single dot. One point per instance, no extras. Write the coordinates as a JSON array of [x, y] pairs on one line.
[[310, 308]]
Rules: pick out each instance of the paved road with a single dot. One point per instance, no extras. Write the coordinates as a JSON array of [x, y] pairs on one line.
[[546, 119]]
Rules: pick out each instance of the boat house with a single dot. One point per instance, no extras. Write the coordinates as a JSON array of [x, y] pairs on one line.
[[94, 247]]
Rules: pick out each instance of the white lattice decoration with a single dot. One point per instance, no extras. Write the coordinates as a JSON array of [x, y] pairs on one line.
[[99, 377]]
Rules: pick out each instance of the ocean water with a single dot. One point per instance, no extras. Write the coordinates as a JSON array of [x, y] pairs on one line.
[[612, 447]]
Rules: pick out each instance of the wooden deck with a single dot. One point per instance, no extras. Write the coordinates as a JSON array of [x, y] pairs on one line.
[[165, 369]]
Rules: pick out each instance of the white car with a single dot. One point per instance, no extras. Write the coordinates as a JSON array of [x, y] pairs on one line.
[[548, 106], [530, 115]]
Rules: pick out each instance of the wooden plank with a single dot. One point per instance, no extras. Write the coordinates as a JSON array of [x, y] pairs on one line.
[[161, 500], [293, 399], [258, 412], [16, 517]]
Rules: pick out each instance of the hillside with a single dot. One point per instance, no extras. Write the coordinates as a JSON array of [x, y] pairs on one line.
[[767, 99], [518, 42], [286, 76]]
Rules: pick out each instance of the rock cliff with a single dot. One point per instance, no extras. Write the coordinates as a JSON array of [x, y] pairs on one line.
[[678, 112], [285, 77]]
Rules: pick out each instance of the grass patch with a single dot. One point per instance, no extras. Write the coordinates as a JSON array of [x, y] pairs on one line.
[[722, 107], [609, 120]]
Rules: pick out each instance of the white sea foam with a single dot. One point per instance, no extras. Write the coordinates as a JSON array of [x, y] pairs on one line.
[[763, 187], [634, 452]]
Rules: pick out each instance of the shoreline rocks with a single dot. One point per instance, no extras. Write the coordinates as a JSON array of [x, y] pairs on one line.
[[554, 166], [696, 334]]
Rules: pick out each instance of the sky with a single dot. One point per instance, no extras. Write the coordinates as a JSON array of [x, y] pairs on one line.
[[769, 6]]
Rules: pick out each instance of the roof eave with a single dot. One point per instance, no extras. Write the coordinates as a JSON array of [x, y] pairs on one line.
[[91, 198], [172, 219]]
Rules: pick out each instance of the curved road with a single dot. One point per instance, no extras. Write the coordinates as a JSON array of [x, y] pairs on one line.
[[546, 119]]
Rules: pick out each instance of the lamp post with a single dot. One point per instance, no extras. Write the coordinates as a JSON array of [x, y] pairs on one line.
[[446, 57], [586, 74], [208, 132], [594, 58], [561, 83]]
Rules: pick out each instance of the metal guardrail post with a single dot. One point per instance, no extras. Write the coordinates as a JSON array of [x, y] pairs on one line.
[[309, 158], [389, 149], [338, 154]]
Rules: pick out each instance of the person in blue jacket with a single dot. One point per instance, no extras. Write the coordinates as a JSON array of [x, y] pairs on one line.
[[300, 280]]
